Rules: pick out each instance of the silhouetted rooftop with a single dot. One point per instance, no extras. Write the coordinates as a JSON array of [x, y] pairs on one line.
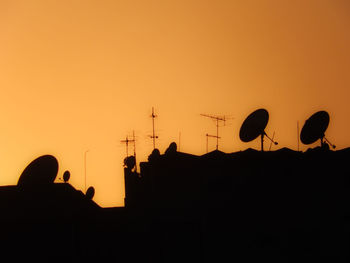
[[54, 201]]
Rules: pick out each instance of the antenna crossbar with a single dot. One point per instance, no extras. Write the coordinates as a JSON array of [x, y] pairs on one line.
[[217, 119], [127, 141], [213, 136], [214, 117], [153, 136], [210, 136]]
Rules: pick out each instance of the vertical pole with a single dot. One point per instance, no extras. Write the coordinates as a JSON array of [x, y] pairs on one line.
[[127, 146], [134, 140], [217, 134], [207, 141], [154, 137], [262, 142]]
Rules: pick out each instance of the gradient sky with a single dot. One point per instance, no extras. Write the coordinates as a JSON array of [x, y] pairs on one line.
[[81, 75]]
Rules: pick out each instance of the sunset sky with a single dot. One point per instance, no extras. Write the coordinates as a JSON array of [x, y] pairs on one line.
[[81, 75]]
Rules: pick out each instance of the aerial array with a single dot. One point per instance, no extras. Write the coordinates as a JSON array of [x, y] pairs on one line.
[[254, 126], [314, 128]]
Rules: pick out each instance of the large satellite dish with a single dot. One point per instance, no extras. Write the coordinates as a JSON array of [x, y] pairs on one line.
[[42, 171], [254, 126], [314, 128]]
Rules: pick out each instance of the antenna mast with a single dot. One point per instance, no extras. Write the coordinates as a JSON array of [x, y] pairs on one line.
[[217, 119], [134, 140], [213, 136], [153, 136], [127, 141]]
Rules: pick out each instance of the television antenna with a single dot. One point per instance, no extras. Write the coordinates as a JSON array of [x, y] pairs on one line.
[[153, 136], [217, 119], [127, 141], [212, 136]]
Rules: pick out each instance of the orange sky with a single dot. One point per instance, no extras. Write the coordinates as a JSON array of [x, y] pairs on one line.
[[81, 75]]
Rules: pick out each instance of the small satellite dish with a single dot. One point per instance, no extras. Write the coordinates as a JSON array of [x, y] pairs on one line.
[[154, 155], [314, 128], [41, 171], [172, 148], [254, 126], [130, 162], [90, 192], [66, 176]]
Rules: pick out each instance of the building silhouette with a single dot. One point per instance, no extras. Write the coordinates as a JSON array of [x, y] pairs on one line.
[[250, 205], [245, 206]]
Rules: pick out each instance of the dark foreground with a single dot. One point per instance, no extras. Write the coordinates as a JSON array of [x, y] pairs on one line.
[[283, 206]]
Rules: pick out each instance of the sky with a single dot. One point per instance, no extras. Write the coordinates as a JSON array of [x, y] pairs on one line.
[[77, 77]]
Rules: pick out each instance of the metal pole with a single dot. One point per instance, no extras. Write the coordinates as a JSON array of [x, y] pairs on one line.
[[207, 141], [217, 134], [134, 139], [154, 137], [127, 146]]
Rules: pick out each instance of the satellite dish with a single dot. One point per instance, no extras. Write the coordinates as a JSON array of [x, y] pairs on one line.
[[154, 155], [90, 192], [130, 162], [172, 148], [41, 171], [314, 128], [66, 176], [254, 126]]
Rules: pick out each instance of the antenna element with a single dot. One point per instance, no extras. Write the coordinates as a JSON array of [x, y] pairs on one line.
[[153, 136], [217, 119]]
